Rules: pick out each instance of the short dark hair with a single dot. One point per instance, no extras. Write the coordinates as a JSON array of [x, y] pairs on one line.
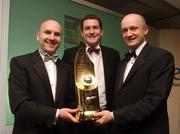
[[91, 16]]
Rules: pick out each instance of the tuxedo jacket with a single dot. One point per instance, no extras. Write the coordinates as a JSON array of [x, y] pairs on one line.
[[141, 101], [31, 98], [110, 61]]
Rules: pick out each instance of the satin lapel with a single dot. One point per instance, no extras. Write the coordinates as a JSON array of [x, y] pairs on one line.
[[60, 79], [121, 71], [42, 73], [106, 65], [139, 61]]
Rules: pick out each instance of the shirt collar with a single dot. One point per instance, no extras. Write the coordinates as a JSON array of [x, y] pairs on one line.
[[98, 46], [42, 53], [138, 50]]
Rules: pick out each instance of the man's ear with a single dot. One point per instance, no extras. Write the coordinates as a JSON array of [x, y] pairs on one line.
[[82, 34], [102, 32], [37, 35], [146, 30]]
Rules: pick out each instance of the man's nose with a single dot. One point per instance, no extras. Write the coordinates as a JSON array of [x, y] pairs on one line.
[[129, 33], [52, 36], [91, 30]]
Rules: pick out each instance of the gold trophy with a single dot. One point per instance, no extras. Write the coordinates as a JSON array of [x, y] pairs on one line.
[[86, 85]]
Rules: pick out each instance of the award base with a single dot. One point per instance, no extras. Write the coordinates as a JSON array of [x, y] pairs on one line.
[[85, 115]]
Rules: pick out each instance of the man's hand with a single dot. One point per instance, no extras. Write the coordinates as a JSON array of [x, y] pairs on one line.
[[67, 114], [103, 117]]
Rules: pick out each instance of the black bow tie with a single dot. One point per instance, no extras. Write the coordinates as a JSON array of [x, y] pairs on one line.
[[130, 55], [48, 57], [96, 50]]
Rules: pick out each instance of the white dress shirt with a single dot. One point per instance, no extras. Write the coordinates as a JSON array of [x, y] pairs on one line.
[[131, 62], [52, 74], [97, 60]]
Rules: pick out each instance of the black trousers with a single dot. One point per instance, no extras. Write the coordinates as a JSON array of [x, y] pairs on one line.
[[88, 127]]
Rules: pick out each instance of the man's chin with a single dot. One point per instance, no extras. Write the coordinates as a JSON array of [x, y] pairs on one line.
[[92, 42], [50, 52], [131, 44]]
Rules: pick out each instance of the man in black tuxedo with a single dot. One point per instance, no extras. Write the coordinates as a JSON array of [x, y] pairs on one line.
[[40, 86], [143, 84], [105, 62]]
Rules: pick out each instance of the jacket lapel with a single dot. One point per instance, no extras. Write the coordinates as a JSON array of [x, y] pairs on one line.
[[139, 61], [121, 70], [60, 75], [106, 65], [41, 72]]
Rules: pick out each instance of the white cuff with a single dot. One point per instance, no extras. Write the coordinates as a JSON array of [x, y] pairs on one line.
[[56, 117], [112, 116]]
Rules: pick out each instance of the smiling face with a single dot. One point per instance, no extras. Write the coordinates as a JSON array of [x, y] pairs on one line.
[[134, 29], [91, 32], [49, 36]]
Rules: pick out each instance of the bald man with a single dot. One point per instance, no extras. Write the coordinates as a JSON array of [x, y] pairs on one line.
[[144, 80], [40, 86]]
